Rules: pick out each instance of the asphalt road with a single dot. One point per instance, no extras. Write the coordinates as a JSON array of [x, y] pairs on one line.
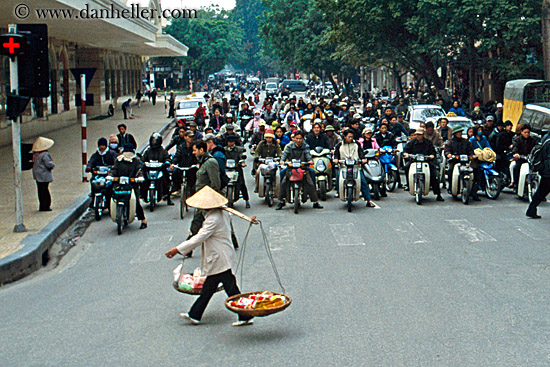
[[442, 284]]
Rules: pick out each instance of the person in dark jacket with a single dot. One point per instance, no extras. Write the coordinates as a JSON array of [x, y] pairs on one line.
[[504, 145], [124, 137], [523, 146], [499, 127], [103, 157], [298, 150], [385, 138], [316, 138], [217, 121], [177, 139], [128, 165], [396, 128], [184, 157], [155, 152], [420, 145], [126, 108], [457, 145], [235, 152], [544, 184]]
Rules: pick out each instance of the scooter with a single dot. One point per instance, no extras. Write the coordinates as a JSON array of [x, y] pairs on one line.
[[246, 133], [490, 182], [323, 171], [100, 186], [123, 202], [374, 172], [419, 177], [349, 182], [267, 186], [154, 172], [440, 166], [401, 142], [528, 181], [233, 186], [463, 178], [388, 161], [296, 194]]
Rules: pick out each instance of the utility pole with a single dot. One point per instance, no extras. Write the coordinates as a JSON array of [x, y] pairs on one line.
[[84, 126], [546, 37], [16, 144], [362, 82]]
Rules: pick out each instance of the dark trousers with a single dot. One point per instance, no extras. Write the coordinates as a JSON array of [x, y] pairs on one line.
[[177, 178], [209, 288], [433, 182], [242, 185], [125, 112], [540, 194], [171, 111], [44, 197]]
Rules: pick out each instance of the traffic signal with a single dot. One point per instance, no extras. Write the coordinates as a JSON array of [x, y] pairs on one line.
[[34, 70], [16, 106], [12, 44]]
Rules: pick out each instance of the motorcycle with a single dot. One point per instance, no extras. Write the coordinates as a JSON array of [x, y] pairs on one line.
[[419, 177], [349, 182], [306, 123], [401, 142], [490, 182], [388, 160], [154, 172], [185, 189], [528, 181], [233, 186], [296, 194], [323, 171], [100, 186], [267, 186], [123, 201], [246, 133], [374, 172], [440, 166], [463, 178]]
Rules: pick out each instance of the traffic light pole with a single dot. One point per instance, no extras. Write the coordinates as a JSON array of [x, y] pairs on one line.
[[84, 126], [16, 145]]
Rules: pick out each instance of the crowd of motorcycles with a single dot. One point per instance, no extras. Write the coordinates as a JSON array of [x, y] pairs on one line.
[[382, 171]]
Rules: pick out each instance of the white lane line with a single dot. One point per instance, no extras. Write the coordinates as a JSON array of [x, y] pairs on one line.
[[524, 227], [469, 231], [152, 250], [346, 235], [411, 232], [281, 237], [376, 205]]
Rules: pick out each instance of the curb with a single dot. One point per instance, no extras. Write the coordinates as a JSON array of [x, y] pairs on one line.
[[34, 253]]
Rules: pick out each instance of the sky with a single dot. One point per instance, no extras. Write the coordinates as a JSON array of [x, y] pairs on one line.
[[195, 4]]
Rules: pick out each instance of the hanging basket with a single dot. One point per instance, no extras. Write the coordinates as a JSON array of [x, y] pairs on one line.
[[193, 291], [256, 312]]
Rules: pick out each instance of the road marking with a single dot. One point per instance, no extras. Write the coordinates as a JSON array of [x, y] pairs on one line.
[[346, 235], [152, 250], [470, 232], [281, 236], [376, 205], [411, 232], [523, 226]]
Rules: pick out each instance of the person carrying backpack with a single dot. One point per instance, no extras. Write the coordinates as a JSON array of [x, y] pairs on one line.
[[541, 163]]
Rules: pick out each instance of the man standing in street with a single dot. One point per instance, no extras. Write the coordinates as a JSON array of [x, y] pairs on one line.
[[172, 104], [544, 185], [126, 109], [208, 174]]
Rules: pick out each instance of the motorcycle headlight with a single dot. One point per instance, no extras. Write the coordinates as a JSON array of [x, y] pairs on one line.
[[230, 163], [320, 166]]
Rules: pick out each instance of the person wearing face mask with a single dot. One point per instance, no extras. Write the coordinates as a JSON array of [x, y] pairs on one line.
[[254, 124], [113, 144]]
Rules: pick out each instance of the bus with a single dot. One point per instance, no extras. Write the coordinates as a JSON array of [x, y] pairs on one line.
[[520, 92]]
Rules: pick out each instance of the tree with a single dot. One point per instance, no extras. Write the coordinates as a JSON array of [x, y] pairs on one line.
[[211, 39]]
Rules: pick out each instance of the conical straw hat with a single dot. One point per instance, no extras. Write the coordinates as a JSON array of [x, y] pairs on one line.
[[41, 144], [206, 198]]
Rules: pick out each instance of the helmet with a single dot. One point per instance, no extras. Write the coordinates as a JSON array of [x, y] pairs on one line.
[[228, 116], [357, 116], [317, 121], [155, 141], [330, 113]]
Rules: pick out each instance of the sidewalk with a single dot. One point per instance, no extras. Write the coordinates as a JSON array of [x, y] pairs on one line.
[[67, 156]]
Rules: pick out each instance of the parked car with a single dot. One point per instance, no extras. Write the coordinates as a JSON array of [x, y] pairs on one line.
[[420, 113], [461, 121], [271, 89]]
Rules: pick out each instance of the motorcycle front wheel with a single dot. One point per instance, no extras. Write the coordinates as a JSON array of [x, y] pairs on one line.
[[97, 206], [533, 187], [391, 180], [183, 198], [296, 200], [418, 196], [152, 200], [269, 195], [492, 187], [119, 218], [323, 190], [465, 193], [375, 191], [349, 195], [230, 196]]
